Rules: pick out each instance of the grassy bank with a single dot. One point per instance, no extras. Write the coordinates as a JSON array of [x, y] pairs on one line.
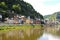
[[18, 27]]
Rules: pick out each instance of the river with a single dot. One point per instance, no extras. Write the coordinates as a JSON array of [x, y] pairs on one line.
[[50, 33], [48, 36], [30, 34]]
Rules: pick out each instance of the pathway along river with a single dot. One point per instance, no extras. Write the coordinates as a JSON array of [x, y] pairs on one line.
[[31, 34]]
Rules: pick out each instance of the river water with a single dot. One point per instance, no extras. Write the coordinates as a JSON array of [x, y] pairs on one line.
[[50, 33], [48, 36], [29, 34]]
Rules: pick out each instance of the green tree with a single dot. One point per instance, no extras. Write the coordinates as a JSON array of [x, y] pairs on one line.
[[19, 7]]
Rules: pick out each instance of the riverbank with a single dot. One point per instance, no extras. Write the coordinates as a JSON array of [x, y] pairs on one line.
[[19, 27]]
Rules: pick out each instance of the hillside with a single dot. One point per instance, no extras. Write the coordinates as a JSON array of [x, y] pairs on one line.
[[53, 16], [20, 7]]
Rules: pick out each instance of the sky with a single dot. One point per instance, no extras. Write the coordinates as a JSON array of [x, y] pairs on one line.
[[45, 7]]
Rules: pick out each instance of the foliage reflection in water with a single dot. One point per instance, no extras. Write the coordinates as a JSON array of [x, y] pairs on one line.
[[27, 34], [50, 34]]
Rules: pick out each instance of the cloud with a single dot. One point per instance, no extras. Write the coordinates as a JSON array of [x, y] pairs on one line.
[[44, 9]]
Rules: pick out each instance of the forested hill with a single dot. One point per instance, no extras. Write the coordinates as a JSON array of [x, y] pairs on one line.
[[55, 15], [20, 7]]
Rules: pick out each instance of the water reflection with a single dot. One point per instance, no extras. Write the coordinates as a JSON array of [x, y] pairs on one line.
[[48, 36], [50, 33], [27, 34]]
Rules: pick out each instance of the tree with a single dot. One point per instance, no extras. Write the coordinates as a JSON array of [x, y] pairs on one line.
[[19, 7]]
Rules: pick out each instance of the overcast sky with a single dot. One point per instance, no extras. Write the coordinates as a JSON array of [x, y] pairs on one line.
[[45, 7]]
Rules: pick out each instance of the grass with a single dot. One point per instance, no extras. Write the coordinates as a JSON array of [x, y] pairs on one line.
[[18, 27]]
